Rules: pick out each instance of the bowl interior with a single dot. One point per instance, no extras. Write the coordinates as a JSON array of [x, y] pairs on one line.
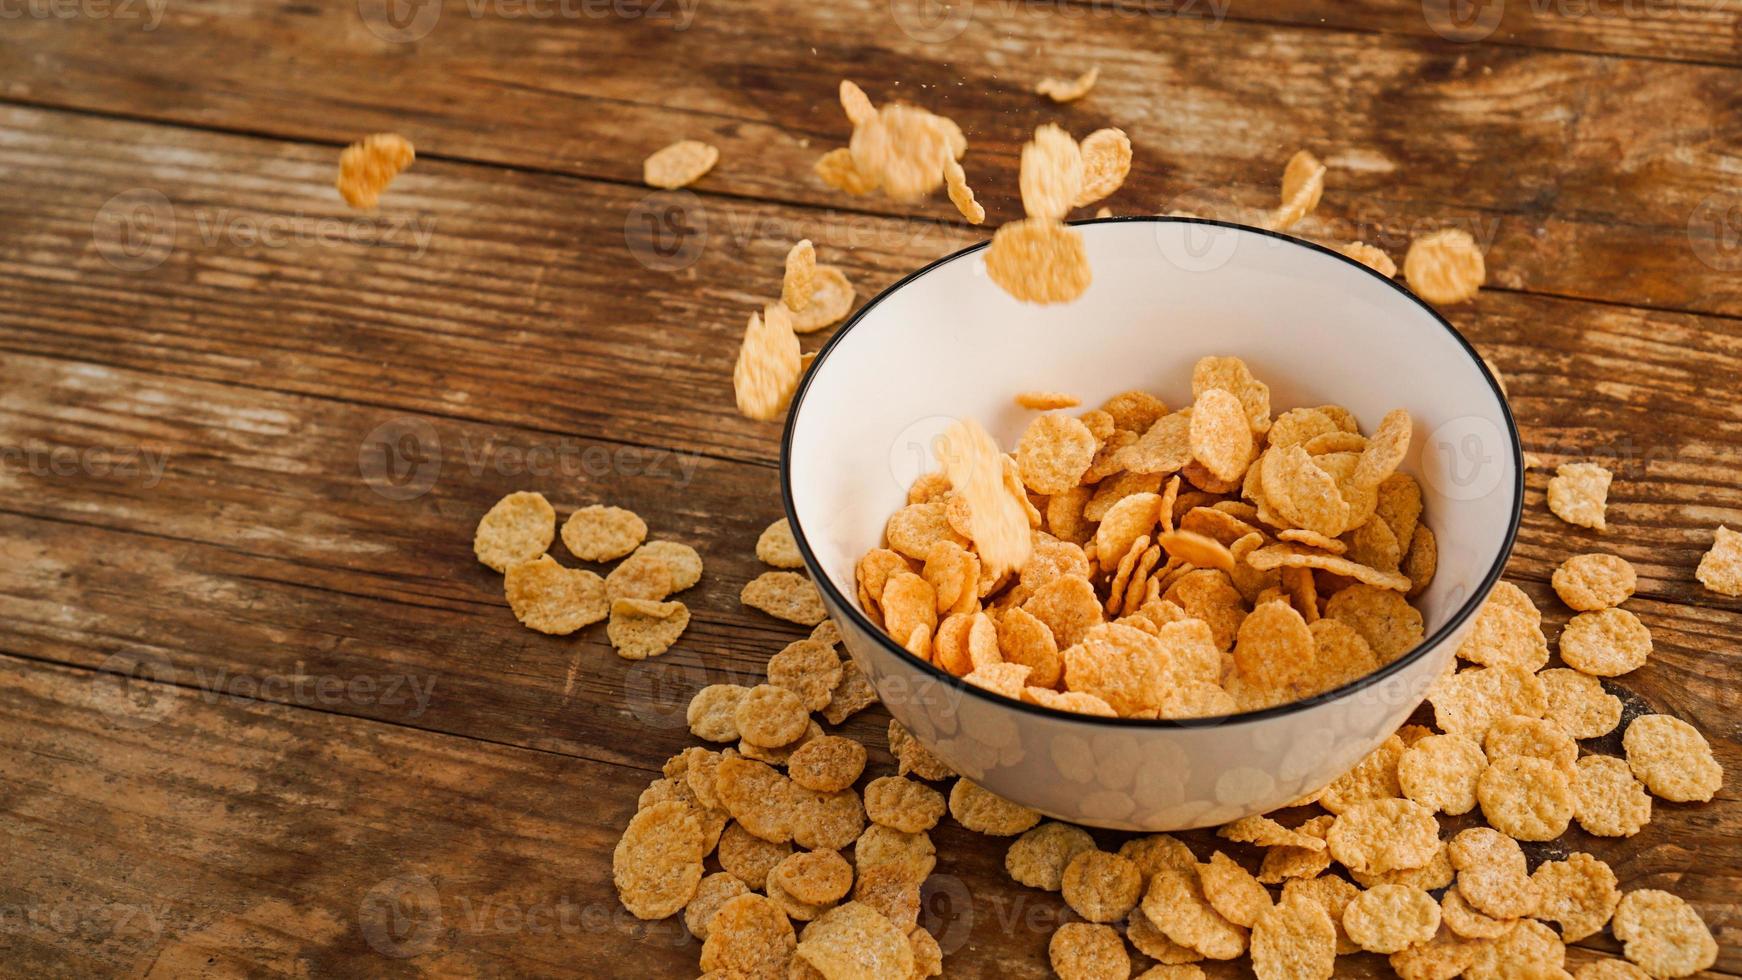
[[1317, 328]]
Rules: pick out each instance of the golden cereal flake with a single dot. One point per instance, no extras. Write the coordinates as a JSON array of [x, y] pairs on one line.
[[1153, 943], [1046, 401], [1068, 89], [1233, 891], [551, 599], [1051, 173], [640, 628], [1537, 738], [749, 858], [856, 103], [785, 595], [1578, 493], [827, 764], [1492, 873], [1390, 918], [800, 275], [1265, 832], [903, 804], [1609, 970], [1068, 607], [1153, 852], [928, 956], [1594, 581], [1039, 260], [1303, 182], [1085, 951], [832, 296], [1672, 759], [1054, 451], [913, 854], [1232, 375], [1164, 447], [1445, 266], [1373, 778], [1294, 940], [1440, 773], [1436, 873], [1579, 893], [517, 528], [825, 820], [1721, 568], [1578, 704], [1605, 643], [997, 518], [599, 533], [657, 864], [1376, 836], [679, 165], [713, 711], [891, 892], [836, 169], [815, 877], [758, 797], [1101, 886], [961, 195], [1334, 894], [903, 148], [776, 546], [1467, 921], [1608, 801], [1077, 702], [852, 695], [809, 669], [1175, 903], [1039, 857], [1370, 256], [749, 937], [1106, 162], [770, 716], [1470, 701], [795, 909], [1663, 934], [768, 366], [1526, 798], [367, 166], [985, 812], [1422, 560], [714, 891], [1221, 434], [1385, 619], [915, 529]]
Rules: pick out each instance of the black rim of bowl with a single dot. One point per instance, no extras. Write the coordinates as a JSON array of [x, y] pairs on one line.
[[860, 620]]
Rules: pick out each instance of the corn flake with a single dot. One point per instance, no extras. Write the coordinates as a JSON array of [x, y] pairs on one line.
[[1672, 759], [809, 669], [367, 166], [1595, 581], [1051, 174], [1294, 940], [679, 165], [1371, 257], [657, 864], [832, 296], [1039, 260], [1607, 800], [1578, 493], [1101, 886], [1106, 161], [517, 528], [1175, 903], [1303, 182], [1391, 918], [1579, 893], [1039, 857], [985, 812], [1068, 89], [786, 595], [1440, 773], [1663, 934], [598, 533], [551, 599], [852, 695], [640, 628], [1605, 643], [1086, 951], [1376, 836], [1445, 266], [1526, 798], [1470, 701], [1721, 568], [768, 366], [1492, 873], [1233, 891]]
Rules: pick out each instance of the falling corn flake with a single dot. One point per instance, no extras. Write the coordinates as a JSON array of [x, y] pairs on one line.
[[1445, 266], [1068, 89], [1046, 401], [835, 168], [768, 365], [679, 165], [1051, 174], [961, 195], [975, 469], [367, 166], [799, 280], [832, 296], [1370, 256], [1303, 183], [903, 148], [1106, 162]]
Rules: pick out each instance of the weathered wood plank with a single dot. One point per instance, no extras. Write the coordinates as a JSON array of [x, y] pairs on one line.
[[1618, 166]]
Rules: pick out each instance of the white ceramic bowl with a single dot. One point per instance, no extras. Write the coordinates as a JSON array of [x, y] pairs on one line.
[[1317, 327]]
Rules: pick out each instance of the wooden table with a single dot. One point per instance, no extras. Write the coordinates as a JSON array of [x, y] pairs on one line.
[[262, 712]]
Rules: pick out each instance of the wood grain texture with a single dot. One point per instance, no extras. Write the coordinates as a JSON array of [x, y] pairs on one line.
[[1624, 165]]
